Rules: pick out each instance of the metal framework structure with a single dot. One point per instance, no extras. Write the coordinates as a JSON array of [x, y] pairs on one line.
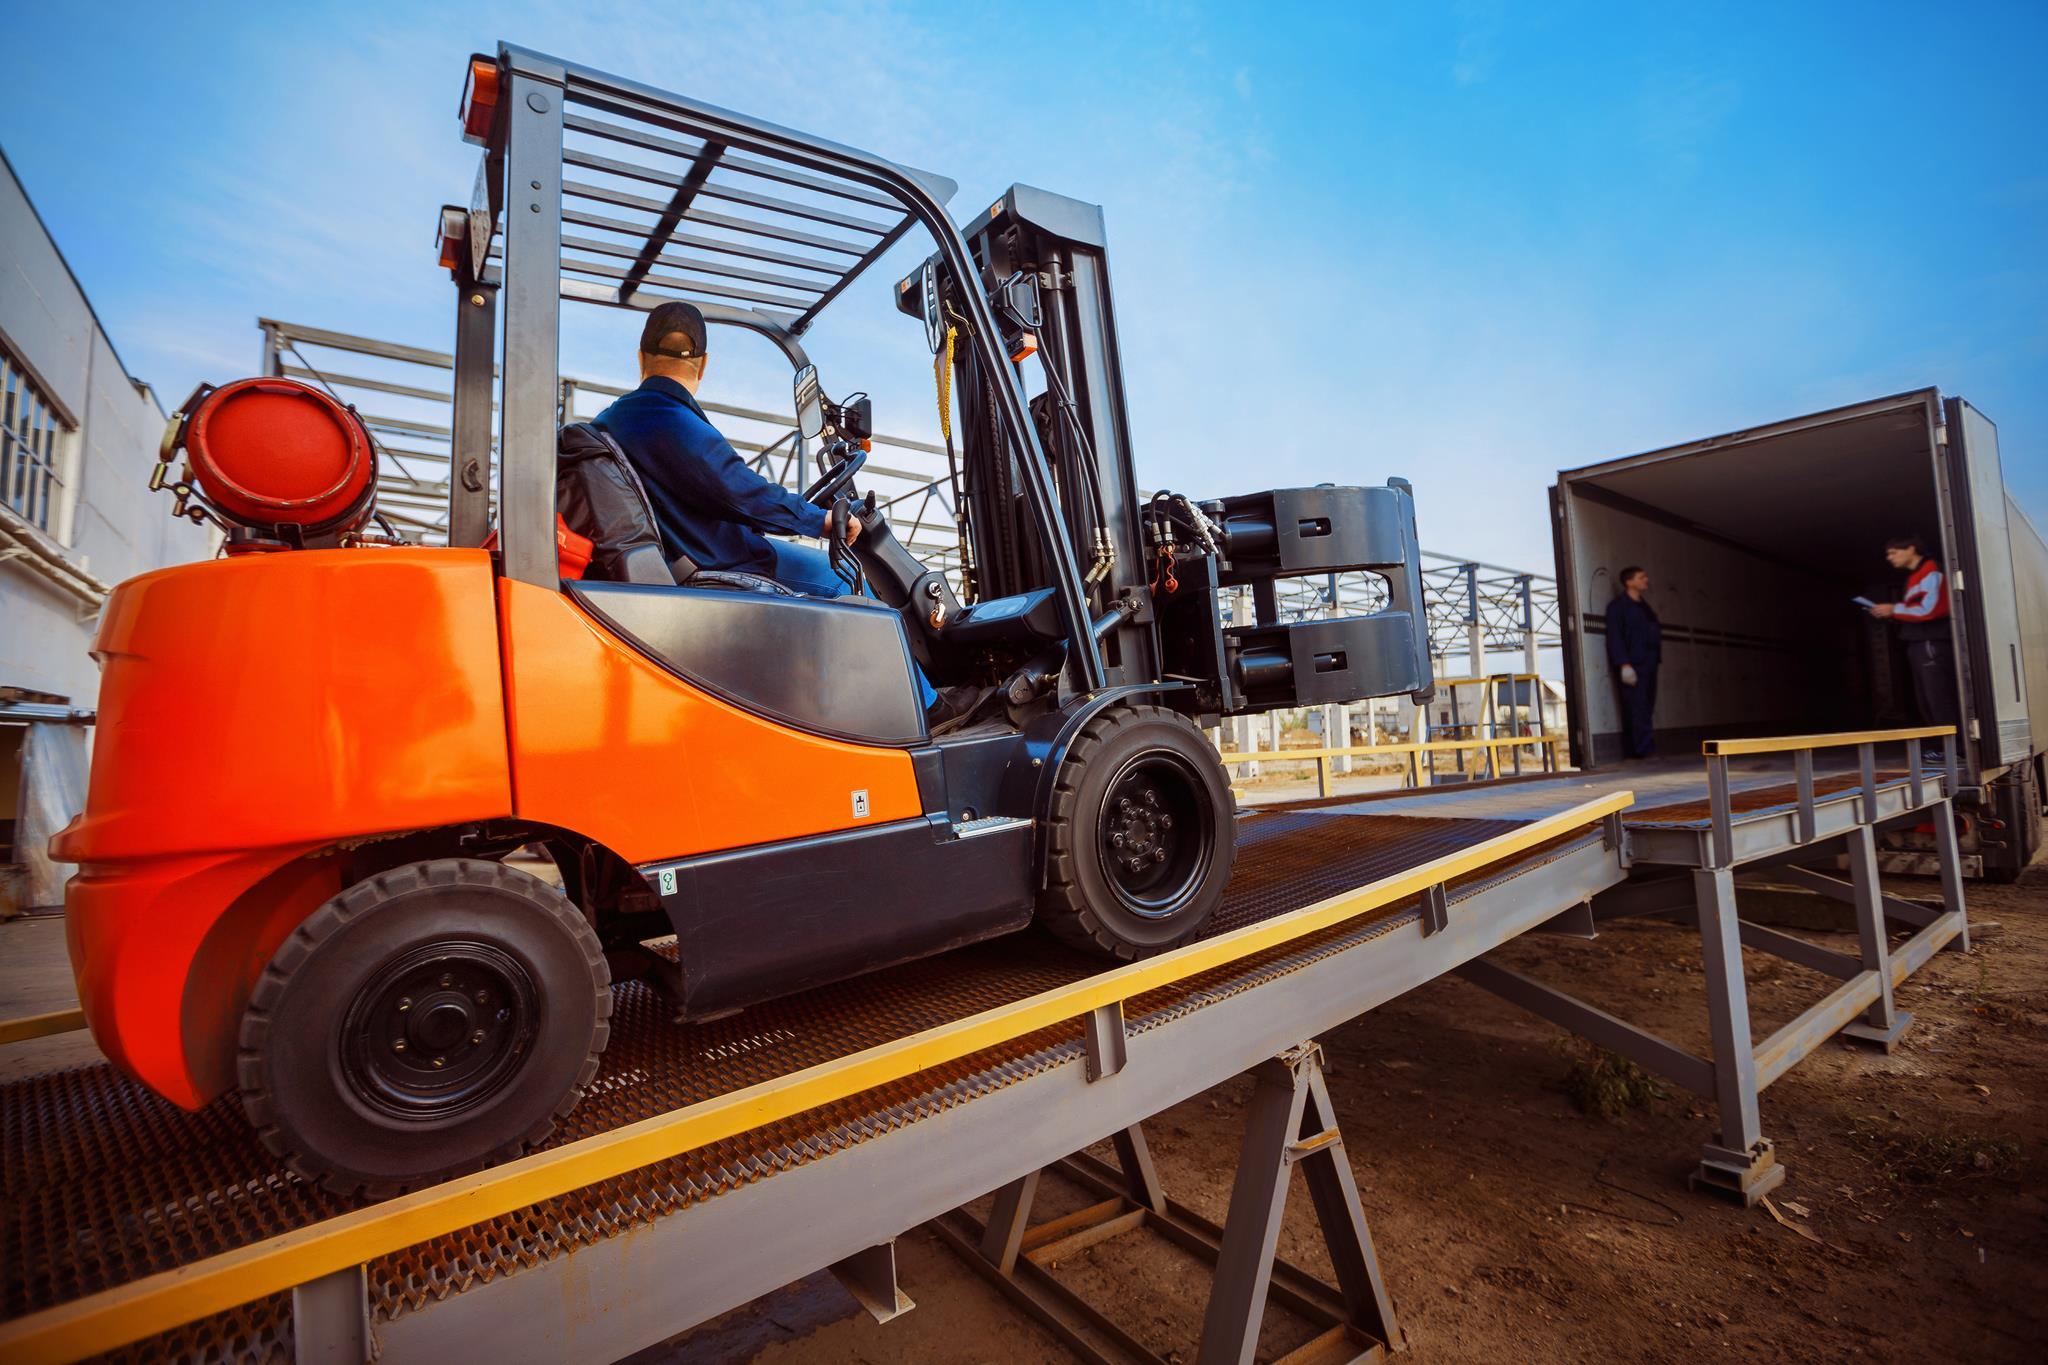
[[1292, 1124], [1505, 704], [402, 393], [1691, 868]]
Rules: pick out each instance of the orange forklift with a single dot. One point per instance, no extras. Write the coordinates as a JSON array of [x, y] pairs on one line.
[[317, 752]]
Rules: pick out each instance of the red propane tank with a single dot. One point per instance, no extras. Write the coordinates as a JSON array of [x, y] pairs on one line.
[[275, 452]]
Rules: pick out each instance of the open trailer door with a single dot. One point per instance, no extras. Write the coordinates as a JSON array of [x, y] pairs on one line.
[[1988, 598], [1577, 715]]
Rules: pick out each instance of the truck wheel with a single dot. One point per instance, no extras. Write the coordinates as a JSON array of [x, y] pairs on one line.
[[1139, 843], [2015, 800], [423, 1023]]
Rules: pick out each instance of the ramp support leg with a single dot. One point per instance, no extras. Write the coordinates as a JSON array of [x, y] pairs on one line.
[[1742, 1165], [1141, 1177], [1943, 813], [331, 1320], [1008, 1221], [870, 1276], [1881, 1023], [1291, 1122]]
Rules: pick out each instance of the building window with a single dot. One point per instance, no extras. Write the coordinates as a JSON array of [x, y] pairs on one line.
[[34, 441]]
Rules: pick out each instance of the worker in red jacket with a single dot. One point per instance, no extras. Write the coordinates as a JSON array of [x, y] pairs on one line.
[[1922, 617]]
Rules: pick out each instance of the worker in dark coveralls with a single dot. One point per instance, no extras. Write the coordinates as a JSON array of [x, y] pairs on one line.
[[1922, 616], [708, 503], [1635, 646]]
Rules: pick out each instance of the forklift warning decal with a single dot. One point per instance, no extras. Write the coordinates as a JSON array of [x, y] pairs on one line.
[[860, 805], [668, 881]]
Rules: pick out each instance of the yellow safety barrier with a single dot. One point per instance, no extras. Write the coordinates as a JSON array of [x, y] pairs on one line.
[[1412, 750], [1786, 744], [101, 1322], [1720, 801], [1489, 678], [40, 1025]]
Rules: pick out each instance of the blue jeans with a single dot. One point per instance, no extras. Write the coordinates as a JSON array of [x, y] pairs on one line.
[[803, 569]]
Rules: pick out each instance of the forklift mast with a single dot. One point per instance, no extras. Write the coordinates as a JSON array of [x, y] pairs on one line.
[[1045, 265], [1153, 570]]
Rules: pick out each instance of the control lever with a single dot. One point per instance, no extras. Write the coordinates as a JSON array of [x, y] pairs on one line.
[[1034, 677], [845, 564]]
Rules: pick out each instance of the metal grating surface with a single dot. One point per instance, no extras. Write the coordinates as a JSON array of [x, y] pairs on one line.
[[1288, 857], [1751, 800], [104, 1182]]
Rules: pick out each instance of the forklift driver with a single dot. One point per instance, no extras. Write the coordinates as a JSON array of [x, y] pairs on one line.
[[708, 504]]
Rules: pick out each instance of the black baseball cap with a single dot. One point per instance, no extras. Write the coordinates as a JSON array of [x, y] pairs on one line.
[[666, 320]]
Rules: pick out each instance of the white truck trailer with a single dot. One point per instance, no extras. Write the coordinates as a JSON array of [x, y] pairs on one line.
[[1758, 541]]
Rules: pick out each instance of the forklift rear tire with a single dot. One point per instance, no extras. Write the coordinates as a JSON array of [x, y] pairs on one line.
[[1139, 843], [425, 1022]]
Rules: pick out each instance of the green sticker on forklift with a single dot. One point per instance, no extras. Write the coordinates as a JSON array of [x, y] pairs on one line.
[[668, 881]]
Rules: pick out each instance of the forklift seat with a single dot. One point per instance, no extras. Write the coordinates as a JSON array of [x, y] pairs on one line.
[[599, 495]]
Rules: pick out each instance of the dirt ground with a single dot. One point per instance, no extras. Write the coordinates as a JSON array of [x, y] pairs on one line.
[[1511, 1225]]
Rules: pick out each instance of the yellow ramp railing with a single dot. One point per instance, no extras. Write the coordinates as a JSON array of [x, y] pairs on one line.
[[1720, 802], [1410, 750], [40, 1025]]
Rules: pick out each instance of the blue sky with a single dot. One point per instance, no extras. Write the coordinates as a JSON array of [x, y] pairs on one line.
[[1469, 244]]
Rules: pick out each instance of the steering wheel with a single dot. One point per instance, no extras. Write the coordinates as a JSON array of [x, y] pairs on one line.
[[835, 480]]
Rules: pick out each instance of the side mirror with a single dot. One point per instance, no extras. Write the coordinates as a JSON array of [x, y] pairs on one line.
[[810, 403], [934, 320]]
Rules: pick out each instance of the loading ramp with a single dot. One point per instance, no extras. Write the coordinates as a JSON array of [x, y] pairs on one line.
[[755, 1148], [812, 1131]]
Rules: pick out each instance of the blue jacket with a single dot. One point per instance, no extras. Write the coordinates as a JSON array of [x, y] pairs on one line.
[[1634, 636], [710, 505]]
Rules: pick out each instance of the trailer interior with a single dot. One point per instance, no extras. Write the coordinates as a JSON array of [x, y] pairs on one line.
[[1756, 543]]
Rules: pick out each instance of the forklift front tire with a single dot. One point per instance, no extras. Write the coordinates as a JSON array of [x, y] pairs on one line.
[[422, 1023], [1139, 842]]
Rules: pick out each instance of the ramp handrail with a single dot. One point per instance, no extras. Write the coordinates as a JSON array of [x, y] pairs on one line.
[[27, 1026], [1785, 744], [1718, 751], [1412, 750], [155, 1303]]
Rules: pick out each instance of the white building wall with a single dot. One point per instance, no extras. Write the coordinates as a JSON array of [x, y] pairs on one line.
[[111, 527]]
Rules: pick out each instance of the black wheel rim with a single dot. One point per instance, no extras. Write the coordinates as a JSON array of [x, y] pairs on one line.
[[439, 1030], [1155, 832]]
